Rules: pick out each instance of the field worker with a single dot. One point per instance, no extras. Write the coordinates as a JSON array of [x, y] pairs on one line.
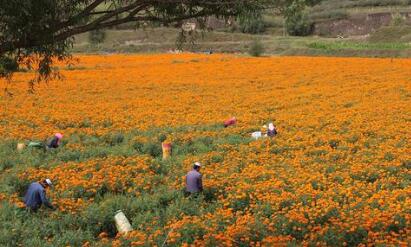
[[272, 131], [194, 183], [55, 141], [36, 195], [230, 122]]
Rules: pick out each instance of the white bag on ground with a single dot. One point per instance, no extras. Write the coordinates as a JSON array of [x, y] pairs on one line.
[[122, 223], [20, 147], [256, 135]]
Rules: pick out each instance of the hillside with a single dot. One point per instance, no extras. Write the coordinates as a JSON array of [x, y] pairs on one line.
[[365, 28], [363, 17]]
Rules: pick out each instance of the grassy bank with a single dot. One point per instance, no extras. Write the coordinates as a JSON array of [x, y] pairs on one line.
[[162, 40]]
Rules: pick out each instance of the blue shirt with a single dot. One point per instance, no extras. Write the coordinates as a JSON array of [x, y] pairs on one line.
[[194, 182], [35, 196]]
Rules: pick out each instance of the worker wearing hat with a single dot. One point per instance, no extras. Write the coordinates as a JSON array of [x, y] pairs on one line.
[[36, 195], [53, 142], [272, 130], [194, 183]]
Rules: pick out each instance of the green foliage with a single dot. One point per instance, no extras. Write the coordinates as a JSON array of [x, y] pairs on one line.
[[333, 14], [286, 204], [252, 24], [70, 155], [358, 46], [398, 19], [240, 204], [323, 219], [356, 237], [298, 24], [152, 149], [286, 226], [399, 223], [114, 139], [256, 48], [23, 228], [389, 156], [391, 34], [97, 36], [7, 66]]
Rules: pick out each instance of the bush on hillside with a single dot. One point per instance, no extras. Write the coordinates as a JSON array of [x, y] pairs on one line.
[[298, 24], [97, 37], [256, 48], [252, 25]]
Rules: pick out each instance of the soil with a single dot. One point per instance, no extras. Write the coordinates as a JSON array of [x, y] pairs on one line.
[[357, 25]]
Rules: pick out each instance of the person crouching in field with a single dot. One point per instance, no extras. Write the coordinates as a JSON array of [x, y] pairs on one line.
[[36, 195], [53, 142], [272, 130], [194, 182]]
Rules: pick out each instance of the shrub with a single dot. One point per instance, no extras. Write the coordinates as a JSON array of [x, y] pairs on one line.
[[70, 155], [190, 232], [113, 139], [316, 185], [138, 146], [100, 217], [72, 238], [327, 216], [256, 48], [217, 158], [6, 164], [293, 228], [371, 178], [356, 237], [332, 237], [399, 223], [286, 204], [389, 156], [253, 24], [7, 65], [97, 37], [298, 24], [338, 179], [335, 14], [397, 19], [210, 194], [240, 204], [152, 149], [20, 185], [353, 139]]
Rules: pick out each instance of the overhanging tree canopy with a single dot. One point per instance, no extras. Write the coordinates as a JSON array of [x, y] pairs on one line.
[[34, 32]]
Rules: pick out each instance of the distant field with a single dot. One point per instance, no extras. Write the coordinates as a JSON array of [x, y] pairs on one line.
[[337, 174]]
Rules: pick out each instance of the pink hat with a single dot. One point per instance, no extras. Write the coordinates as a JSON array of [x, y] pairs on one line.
[[58, 135]]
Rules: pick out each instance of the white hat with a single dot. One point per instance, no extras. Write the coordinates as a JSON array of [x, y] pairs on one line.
[[197, 164], [271, 126], [48, 181]]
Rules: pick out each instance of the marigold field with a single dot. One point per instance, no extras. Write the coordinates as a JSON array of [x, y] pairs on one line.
[[337, 174]]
